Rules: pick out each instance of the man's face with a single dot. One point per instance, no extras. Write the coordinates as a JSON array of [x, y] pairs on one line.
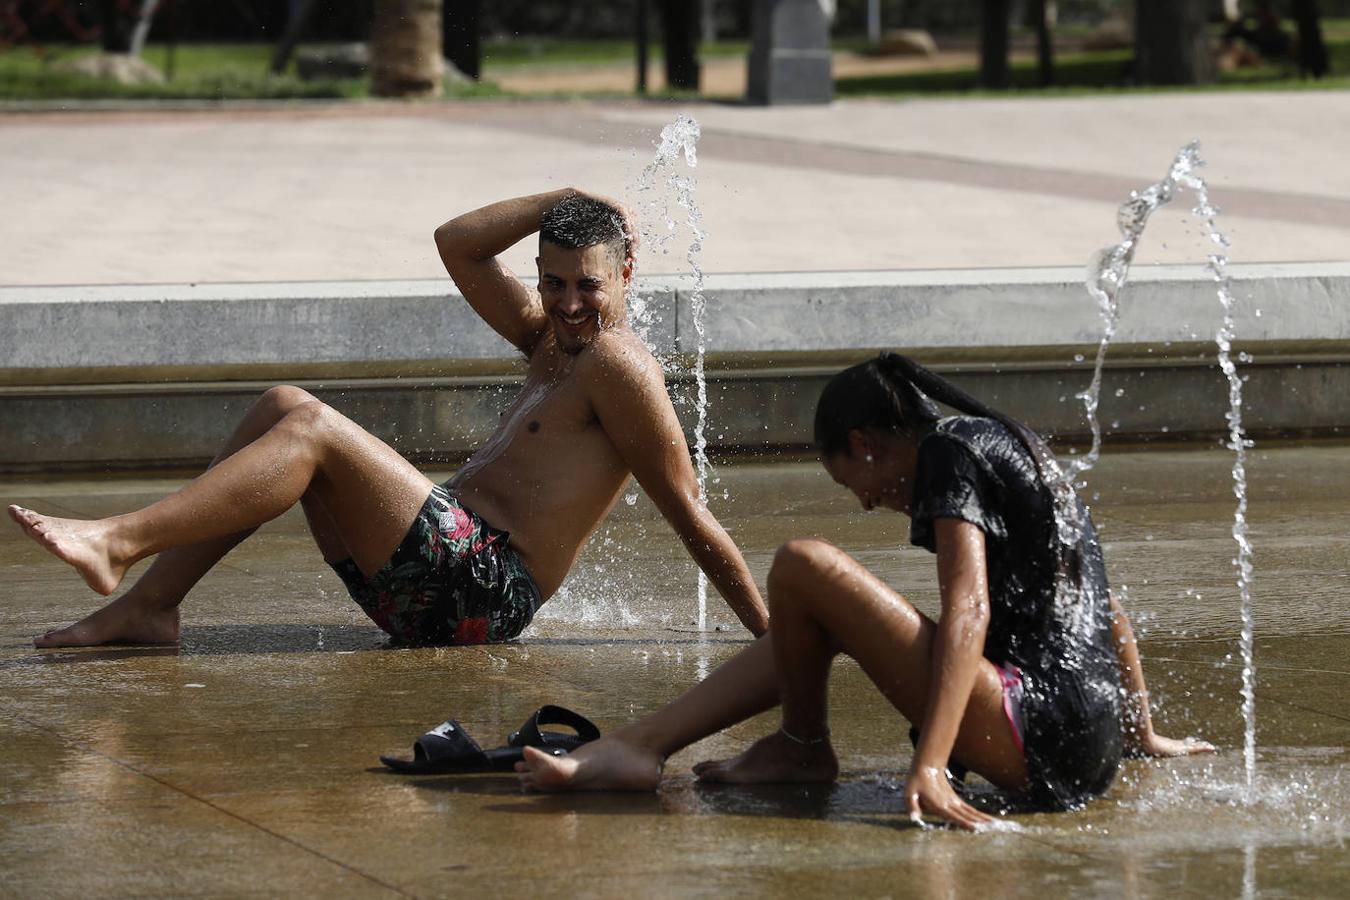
[[582, 291]]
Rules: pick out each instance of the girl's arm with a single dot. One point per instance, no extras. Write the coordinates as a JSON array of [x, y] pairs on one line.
[[1136, 723], [957, 650]]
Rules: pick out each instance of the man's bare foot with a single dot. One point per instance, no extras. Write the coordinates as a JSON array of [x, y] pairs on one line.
[[771, 760], [81, 543], [609, 764], [124, 621]]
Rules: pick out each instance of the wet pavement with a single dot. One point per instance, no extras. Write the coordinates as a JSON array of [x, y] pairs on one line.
[[245, 761]]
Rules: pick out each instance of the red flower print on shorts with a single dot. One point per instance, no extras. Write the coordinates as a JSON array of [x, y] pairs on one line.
[[472, 631], [456, 524]]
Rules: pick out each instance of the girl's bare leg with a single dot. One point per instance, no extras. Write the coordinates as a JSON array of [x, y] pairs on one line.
[[823, 602], [288, 447], [631, 758]]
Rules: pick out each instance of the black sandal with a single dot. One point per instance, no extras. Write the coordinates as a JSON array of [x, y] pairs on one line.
[[449, 749]]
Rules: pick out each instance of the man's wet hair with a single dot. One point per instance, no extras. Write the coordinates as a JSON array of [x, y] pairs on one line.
[[579, 222]]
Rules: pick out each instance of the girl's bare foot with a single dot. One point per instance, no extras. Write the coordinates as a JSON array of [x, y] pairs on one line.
[[83, 544], [124, 621], [609, 764], [774, 759]]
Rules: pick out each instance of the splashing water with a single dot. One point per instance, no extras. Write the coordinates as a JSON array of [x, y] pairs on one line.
[[1107, 274], [680, 138], [1106, 278], [1217, 265]]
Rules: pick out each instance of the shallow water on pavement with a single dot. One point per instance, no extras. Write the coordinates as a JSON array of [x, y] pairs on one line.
[[245, 760]]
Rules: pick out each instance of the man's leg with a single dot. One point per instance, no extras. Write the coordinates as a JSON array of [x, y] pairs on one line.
[[175, 571], [360, 496]]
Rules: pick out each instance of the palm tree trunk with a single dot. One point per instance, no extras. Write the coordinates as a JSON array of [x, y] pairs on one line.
[[1171, 46], [405, 49]]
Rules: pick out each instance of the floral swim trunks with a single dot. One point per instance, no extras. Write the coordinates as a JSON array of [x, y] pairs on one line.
[[453, 580]]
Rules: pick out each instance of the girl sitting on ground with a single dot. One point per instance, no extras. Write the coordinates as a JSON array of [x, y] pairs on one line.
[[1019, 680]]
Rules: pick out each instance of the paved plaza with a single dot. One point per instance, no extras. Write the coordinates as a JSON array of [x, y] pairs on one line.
[[244, 762], [353, 191]]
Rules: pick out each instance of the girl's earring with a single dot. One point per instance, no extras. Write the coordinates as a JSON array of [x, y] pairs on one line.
[[868, 457]]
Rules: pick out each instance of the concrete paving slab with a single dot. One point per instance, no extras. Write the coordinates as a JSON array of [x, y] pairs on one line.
[[1255, 140], [354, 191]]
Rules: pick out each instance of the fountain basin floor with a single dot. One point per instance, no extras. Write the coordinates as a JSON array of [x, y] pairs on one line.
[[244, 761]]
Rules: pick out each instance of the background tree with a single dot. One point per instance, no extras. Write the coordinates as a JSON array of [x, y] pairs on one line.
[[680, 24], [116, 27], [1312, 49], [300, 13], [405, 49], [461, 32], [1041, 15], [1170, 42], [994, 15]]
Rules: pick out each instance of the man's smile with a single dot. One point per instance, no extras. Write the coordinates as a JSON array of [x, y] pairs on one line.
[[576, 320]]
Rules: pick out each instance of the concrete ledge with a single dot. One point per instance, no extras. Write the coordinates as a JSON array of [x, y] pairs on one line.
[[154, 375], [1024, 312], [208, 332]]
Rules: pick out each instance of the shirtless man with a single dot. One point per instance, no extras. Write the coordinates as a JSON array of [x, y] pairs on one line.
[[422, 559]]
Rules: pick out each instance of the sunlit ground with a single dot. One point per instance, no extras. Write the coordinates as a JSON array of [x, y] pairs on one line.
[[246, 759]]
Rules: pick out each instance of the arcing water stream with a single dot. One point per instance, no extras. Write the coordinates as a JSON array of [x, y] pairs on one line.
[[1217, 265], [1107, 276], [680, 138]]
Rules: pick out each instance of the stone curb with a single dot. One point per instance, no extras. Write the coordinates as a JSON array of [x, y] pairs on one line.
[[84, 368], [211, 332]]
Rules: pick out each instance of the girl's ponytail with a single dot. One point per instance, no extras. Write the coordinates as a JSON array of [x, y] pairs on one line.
[[894, 393]]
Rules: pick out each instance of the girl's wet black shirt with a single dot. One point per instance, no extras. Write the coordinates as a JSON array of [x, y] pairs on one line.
[[976, 470]]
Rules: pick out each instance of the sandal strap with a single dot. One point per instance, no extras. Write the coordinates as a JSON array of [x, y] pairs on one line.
[[446, 740], [532, 735]]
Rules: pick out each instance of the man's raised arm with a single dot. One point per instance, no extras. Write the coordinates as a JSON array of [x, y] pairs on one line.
[[469, 246], [630, 400]]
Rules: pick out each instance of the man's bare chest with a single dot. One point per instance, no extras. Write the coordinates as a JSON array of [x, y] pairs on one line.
[[552, 405]]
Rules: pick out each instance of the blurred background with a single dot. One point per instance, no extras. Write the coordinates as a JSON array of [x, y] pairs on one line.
[[280, 49]]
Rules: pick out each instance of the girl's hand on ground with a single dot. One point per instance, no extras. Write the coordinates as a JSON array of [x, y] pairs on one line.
[[927, 791], [1155, 745]]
